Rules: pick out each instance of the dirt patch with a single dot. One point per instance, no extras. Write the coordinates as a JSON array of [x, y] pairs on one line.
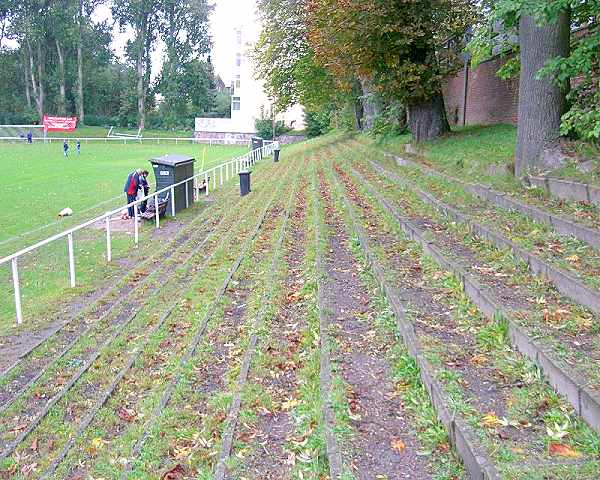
[[485, 387], [383, 441], [269, 459]]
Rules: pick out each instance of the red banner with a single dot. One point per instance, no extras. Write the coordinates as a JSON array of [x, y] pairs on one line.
[[60, 124]]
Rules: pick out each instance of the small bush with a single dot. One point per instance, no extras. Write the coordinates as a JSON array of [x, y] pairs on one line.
[[391, 122], [317, 123], [264, 128]]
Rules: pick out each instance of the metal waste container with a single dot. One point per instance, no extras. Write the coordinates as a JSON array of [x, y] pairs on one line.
[[257, 142], [244, 183], [172, 169]]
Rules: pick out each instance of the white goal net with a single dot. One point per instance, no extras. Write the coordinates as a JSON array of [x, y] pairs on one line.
[[22, 132], [114, 133]]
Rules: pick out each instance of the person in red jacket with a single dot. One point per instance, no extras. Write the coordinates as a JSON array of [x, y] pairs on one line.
[[131, 188]]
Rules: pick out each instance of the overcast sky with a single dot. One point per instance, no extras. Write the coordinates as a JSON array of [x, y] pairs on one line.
[[227, 15]]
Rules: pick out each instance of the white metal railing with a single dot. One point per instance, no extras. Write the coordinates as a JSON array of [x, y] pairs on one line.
[[126, 140], [224, 171]]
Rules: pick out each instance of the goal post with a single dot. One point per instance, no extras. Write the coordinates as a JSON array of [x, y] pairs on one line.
[[20, 132], [114, 133]]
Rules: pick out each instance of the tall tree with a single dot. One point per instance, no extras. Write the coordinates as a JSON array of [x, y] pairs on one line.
[[80, 27], [542, 100], [142, 17], [285, 60], [540, 31], [184, 29], [394, 45]]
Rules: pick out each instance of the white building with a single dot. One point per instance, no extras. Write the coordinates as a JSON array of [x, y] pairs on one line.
[[233, 62]]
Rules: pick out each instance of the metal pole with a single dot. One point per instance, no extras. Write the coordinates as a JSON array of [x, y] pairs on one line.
[[173, 202], [135, 227], [214, 175], [187, 197], [156, 211], [206, 183], [221, 175], [17, 290], [108, 242], [71, 259]]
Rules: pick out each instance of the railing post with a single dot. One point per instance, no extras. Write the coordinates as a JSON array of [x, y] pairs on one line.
[[136, 229], [206, 183], [71, 259], [214, 175], [221, 175], [17, 290], [173, 202], [187, 196], [108, 242], [156, 211]]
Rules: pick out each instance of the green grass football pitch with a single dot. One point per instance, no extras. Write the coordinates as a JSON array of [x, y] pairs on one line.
[[38, 182]]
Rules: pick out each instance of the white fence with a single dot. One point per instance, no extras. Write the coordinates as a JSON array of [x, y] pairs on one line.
[[127, 140], [217, 175]]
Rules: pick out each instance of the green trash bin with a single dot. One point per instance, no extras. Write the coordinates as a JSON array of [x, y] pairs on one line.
[[172, 169]]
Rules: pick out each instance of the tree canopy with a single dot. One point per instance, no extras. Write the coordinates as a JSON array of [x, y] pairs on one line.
[[62, 56]]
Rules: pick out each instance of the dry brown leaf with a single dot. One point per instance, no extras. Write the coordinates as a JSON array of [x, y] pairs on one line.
[[125, 414], [561, 450], [175, 473], [398, 445]]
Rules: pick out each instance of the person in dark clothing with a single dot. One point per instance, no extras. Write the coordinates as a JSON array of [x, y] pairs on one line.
[[145, 189], [29, 137], [66, 148], [131, 189]]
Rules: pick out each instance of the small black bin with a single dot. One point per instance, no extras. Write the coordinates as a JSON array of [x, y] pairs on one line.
[[172, 169], [257, 142], [245, 183]]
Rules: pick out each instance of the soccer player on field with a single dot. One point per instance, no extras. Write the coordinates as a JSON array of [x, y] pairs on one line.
[[66, 148], [78, 145], [29, 135]]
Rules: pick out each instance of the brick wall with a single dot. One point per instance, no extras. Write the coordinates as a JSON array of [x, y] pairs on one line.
[[489, 98]]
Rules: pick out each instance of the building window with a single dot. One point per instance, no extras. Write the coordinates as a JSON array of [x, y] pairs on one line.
[[238, 59], [236, 103], [238, 81]]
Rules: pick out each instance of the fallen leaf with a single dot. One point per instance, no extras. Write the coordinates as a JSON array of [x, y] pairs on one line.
[[125, 414], [289, 404], [479, 359], [562, 450], [27, 470], [34, 445], [95, 445], [397, 445], [490, 420], [175, 473]]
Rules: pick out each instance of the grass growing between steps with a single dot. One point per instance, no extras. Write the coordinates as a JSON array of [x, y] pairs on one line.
[[483, 153], [564, 325], [519, 430], [563, 251], [430, 432]]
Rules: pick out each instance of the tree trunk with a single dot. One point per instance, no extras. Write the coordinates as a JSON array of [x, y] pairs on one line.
[[27, 77], [80, 111], [370, 104], [36, 85], [541, 101], [427, 120], [140, 86], [62, 102]]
